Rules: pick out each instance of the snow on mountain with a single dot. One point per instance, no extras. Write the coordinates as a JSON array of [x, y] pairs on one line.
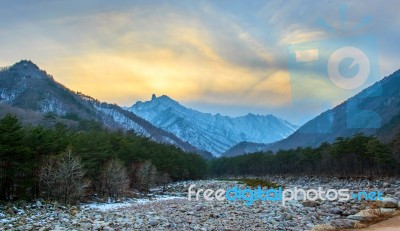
[[123, 120], [24, 86], [212, 133]]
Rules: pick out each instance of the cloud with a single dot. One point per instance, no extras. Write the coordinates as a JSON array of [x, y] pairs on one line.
[[179, 58], [222, 53]]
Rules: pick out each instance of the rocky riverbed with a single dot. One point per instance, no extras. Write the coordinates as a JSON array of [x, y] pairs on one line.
[[173, 210]]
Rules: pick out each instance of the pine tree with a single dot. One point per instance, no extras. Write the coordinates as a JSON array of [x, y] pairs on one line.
[[11, 155]]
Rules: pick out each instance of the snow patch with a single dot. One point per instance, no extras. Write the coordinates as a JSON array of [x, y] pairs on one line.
[[130, 202], [6, 221], [123, 120]]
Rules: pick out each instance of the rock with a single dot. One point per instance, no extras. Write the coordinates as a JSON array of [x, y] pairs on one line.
[[139, 221], [344, 223], [85, 226], [10, 211], [385, 184], [387, 202], [153, 222], [287, 216], [336, 211], [74, 212], [353, 211], [17, 211], [309, 203], [204, 215], [197, 208], [370, 214], [390, 191], [39, 204]]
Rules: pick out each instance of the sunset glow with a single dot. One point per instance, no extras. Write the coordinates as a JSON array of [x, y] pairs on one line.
[[225, 56]]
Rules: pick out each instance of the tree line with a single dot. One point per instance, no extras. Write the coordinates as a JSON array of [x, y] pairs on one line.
[[63, 163], [57, 162], [359, 155]]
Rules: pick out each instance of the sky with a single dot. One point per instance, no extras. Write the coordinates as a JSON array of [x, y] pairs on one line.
[[229, 57]]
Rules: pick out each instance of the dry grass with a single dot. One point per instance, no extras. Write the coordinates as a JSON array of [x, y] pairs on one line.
[[254, 183], [377, 214], [360, 225], [324, 227]]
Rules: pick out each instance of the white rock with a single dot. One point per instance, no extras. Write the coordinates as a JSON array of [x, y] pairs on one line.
[[39, 204]]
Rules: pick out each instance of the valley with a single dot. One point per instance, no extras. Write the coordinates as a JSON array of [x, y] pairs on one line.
[[175, 212], [199, 115]]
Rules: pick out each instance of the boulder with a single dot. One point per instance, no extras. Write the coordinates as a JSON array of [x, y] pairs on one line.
[[387, 202], [10, 211], [153, 222], [386, 184], [336, 211], [370, 214], [344, 223], [39, 204], [309, 203]]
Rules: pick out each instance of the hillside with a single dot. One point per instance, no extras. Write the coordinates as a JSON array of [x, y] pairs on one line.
[[23, 86], [374, 111]]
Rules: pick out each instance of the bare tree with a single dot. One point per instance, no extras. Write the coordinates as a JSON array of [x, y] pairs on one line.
[[115, 180], [163, 180], [146, 176], [47, 176], [64, 177]]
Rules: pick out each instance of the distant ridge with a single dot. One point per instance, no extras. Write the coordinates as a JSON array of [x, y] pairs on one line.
[[212, 133], [382, 98]]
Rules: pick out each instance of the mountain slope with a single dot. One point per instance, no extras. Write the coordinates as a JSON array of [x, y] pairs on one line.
[[374, 111], [25, 86], [244, 147], [213, 133]]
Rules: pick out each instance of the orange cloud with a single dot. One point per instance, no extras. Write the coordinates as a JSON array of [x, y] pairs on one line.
[[184, 65]]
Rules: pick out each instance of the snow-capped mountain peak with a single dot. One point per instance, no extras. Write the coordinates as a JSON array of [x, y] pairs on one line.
[[212, 133]]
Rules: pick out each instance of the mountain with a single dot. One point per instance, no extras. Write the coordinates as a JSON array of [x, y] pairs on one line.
[[212, 133], [244, 147], [26, 88], [374, 111]]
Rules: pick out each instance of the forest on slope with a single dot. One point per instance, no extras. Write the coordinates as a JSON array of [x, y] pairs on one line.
[[356, 156], [25, 152]]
